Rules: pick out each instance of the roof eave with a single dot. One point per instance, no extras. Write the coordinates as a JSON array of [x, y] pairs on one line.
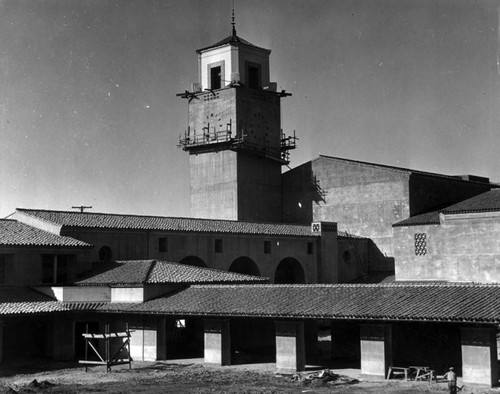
[[235, 43]]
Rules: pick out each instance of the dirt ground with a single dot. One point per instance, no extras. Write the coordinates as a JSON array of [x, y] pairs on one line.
[[185, 377]]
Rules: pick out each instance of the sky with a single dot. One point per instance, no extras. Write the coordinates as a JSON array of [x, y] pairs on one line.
[[89, 113]]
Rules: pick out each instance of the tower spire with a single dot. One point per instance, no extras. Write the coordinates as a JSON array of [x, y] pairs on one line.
[[233, 23]]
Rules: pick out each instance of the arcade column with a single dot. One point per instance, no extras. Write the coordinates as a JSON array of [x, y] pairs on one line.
[[376, 349], [290, 347], [217, 341], [479, 356]]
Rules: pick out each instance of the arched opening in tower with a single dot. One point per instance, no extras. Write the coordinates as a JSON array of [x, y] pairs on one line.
[[194, 261], [244, 265], [289, 271]]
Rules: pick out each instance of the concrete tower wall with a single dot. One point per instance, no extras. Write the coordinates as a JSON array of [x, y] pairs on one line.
[[259, 188], [238, 180], [214, 185]]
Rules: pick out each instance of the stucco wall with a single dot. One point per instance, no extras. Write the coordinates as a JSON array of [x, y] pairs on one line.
[[457, 250], [352, 258], [145, 245], [124, 244], [363, 200], [234, 246], [214, 56]]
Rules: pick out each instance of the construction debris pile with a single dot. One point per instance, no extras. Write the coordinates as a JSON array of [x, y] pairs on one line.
[[324, 378], [33, 387]]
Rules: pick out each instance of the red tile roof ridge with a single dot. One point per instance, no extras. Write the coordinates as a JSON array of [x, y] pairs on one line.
[[346, 234], [192, 266], [167, 223], [14, 232], [155, 272], [354, 285], [155, 261], [160, 217], [367, 302], [155, 216]]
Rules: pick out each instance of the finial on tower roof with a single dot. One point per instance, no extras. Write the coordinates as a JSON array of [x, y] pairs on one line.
[[233, 22]]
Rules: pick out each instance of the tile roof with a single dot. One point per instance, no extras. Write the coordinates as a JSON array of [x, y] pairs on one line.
[[160, 223], [375, 277], [485, 202], [14, 233], [15, 300], [420, 220], [345, 234], [405, 170], [22, 300], [393, 302], [156, 272], [232, 39]]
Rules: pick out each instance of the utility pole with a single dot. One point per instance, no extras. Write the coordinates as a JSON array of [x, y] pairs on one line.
[[82, 207]]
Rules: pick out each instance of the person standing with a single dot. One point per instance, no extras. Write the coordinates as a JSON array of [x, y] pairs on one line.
[[451, 377]]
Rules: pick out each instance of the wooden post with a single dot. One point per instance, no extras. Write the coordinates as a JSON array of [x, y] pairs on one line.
[[86, 346]]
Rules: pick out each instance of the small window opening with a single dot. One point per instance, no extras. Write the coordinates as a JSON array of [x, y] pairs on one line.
[[310, 248], [162, 244], [180, 323], [346, 256], [253, 77], [218, 246], [3, 268], [267, 247], [215, 77], [54, 268]]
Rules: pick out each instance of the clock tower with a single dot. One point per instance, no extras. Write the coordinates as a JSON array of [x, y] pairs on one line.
[[234, 138]]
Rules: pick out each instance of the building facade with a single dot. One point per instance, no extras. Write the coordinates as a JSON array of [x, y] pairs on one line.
[[399, 266]]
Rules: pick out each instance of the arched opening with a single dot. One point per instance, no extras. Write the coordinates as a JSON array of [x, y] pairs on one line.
[[194, 261], [289, 271], [244, 265]]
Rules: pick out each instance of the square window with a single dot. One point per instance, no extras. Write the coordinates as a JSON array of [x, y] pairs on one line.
[[310, 248], [180, 323], [162, 244], [218, 246], [267, 247], [420, 244], [55, 268]]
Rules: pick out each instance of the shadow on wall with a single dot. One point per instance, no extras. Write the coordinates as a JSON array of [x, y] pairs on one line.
[[361, 261], [378, 261], [301, 190], [317, 193]]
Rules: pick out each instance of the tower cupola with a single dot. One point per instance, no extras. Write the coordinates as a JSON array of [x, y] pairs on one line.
[[233, 60]]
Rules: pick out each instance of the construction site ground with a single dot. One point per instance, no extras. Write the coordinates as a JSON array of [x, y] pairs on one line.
[[193, 376]]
